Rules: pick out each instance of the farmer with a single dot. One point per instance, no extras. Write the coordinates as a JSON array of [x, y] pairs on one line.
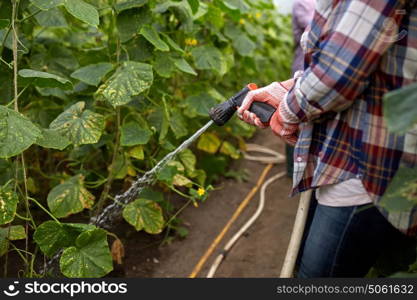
[[356, 51]]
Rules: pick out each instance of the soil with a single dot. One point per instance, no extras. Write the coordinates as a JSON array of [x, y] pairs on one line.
[[259, 253]]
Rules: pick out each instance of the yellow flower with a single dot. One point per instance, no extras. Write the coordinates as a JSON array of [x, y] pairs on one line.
[[194, 42], [201, 192], [241, 21], [258, 15]]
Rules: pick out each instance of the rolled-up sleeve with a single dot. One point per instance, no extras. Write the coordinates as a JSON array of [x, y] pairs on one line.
[[357, 34]]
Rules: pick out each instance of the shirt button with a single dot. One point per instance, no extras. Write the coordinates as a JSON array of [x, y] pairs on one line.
[[299, 159]]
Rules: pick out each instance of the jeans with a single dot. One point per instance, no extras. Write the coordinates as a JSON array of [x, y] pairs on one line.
[[344, 241]]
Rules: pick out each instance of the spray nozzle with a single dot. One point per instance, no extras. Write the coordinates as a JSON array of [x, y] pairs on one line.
[[222, 113]]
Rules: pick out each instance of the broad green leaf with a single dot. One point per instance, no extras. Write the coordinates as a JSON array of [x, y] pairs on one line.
[[178, 124], [163, 65], [209, 142], [153, 37], [167, 174], [199, 104], [50, 18], [240, 5], [51, 236], [172, 43], [69, 197], [11, 233], [17, 133], [230, 150], [8, 204], [401, 195], [130, 79], [83, 11], [400, 109], [129, 23], [214, 16], [47, 4], [43, 79], [129, 4], [184, 66], [89, 258], [244, 45], [194, 4], [92, 74], [4, 23], [79, 125], [144, 214], [207, 58], [51, 138], [133, 134]]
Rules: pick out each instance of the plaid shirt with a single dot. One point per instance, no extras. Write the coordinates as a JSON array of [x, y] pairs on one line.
[[356, 51]]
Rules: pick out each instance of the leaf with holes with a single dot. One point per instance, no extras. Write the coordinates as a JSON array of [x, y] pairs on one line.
[[69, 197], [90, 257], [130, 79], [144, 214], [78, 125], [17, 133], [92, 74], [8, 204], [52, 236], [44, 79]]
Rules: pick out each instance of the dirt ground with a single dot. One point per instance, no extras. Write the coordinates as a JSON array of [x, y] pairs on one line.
[[259, 253]]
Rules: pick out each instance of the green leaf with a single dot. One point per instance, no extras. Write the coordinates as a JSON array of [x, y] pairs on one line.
[[184, 66], [17, 133], [159, 121], [400, 109], [8, 204], [163, 65], [50, 18], [129, 4], [207, 58], [209, 142], [178, 125], [92, 74], [47, 4], [43, 79], [4, 23], [244, 45], [401, 194], [70, 197], [172, 43], [200, 104], [144, 214], [51, 138], [240, 5], [78, 125], [137, 152], [152, 36], [83, 11], [194, 4], [89, 258], [133, 134], [129, 22], [12, 233], [51, 236], [129, 80]]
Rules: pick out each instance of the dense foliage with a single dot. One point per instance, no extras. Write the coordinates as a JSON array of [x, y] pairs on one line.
[[95, 92]]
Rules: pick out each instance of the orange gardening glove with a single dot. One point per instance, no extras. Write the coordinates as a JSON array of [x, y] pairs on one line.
[[273, 95]]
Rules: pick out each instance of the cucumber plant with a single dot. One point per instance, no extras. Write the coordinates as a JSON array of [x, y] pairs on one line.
[[95, 92]]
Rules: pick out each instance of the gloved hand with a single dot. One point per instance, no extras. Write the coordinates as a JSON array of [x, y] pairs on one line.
[[273, 95]]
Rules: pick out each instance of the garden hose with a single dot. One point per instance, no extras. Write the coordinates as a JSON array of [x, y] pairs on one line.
[[272, 158]]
